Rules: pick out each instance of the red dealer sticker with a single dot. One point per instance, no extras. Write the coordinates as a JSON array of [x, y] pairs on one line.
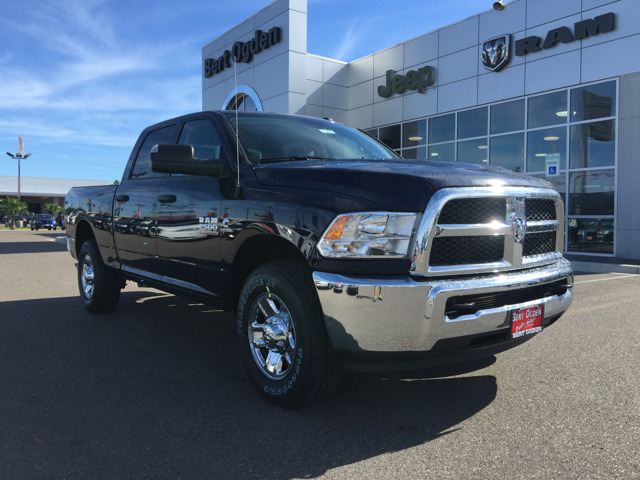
[[526, 321]]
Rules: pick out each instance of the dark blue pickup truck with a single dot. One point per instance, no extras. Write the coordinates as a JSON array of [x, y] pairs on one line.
[[331, 250]]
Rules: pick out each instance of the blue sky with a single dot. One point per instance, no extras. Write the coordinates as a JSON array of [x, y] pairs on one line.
[[79, 79]]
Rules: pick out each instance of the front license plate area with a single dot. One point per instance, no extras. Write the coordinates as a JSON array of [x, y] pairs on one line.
[[526, 321]]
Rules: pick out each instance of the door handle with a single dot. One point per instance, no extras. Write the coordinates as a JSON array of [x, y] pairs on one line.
[[122, 198], [167, 198]]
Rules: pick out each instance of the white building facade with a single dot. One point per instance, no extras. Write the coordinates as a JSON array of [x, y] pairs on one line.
[[546, 88]]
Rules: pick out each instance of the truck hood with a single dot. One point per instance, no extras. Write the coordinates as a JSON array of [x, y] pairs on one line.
[[402, 185]]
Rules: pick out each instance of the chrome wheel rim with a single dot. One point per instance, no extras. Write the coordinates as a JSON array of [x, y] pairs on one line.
[[87, 277], [272, 336]]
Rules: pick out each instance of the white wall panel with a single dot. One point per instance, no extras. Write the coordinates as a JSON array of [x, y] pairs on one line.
[[458, 36], [360, 95], [361, 117], [273, 77], [389, 111], [335, 72], [335, 114], [360, 70], [458, 95], [389, 59], [553, 72], [544, 11], [611, 59], [297, 72], [314, 68], [418, 105], [334, 96], [458, 66], [314, 92], [508, 21], [508, 83], [421, 50]]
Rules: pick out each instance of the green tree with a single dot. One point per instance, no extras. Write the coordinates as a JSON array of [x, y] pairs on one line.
[[53, 208], [14, 206]]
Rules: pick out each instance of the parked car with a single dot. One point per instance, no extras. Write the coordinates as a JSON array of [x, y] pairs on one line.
[[44, 220], [25, 219]]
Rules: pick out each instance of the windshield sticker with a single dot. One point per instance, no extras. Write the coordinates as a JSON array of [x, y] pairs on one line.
[[327, 132]]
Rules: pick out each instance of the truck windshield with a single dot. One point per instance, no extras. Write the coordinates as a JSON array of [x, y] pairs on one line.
[[274, 138]]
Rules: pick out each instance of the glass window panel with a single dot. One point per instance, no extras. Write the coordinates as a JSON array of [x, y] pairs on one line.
[[591, 235], [414, 133], [419, 153], [594, 101], [373, 132], [559, 183], [390, 136], [142, 167], [445, 152], [592, 192], [544, 142], [472, 123], [548, 109], [507, 151], [473, 151], [507, 117], [593, 145], [442, 129]]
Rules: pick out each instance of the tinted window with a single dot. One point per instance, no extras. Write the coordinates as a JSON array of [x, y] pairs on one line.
[[507, 117], [548, 109], [142, 165], [593, 145], [507, 151], [546, 142], [442, 129], [202, 136], [594, 101], [472, 123]]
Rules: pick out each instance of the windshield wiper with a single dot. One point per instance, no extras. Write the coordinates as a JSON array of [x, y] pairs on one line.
[[290, 159]]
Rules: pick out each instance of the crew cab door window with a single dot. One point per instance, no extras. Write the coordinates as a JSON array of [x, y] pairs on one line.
[[142, 166], [190, 218]]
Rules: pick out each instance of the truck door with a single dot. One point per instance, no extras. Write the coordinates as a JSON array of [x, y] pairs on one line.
[[189, 216], [135, 208]]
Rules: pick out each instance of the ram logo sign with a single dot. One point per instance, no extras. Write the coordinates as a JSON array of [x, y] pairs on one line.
[[495, 53]]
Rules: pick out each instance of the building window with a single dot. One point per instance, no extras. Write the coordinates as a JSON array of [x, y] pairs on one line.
[[542, 143], [546, 110], [507, 151], [390, 136], [594, 101], [474, 151], [442, 129], [444, 152], [414, 133], [593, 145], [507, 117], [472, 123]]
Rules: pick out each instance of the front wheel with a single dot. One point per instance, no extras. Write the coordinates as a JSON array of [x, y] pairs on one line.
[[283, 339], [99, 285]]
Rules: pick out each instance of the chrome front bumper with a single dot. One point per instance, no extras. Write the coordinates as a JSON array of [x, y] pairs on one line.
[[406, 314]]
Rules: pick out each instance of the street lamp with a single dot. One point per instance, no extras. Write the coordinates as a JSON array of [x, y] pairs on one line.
[[18, 157]]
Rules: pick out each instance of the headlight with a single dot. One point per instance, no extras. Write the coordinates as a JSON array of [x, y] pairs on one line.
[[366, 235]]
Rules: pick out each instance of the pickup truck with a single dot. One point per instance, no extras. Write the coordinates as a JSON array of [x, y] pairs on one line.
[[330, 249]]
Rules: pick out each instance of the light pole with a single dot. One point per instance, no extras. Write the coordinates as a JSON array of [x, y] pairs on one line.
[[19, 157]]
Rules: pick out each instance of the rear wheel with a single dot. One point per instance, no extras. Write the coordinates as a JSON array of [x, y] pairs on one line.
[[283, 338], [99, 285]]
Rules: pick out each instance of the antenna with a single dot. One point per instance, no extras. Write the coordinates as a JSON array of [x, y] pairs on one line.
[[235, 89]]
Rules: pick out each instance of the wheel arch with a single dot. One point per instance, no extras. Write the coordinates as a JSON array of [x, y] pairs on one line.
[[258, 250], [84, 232]]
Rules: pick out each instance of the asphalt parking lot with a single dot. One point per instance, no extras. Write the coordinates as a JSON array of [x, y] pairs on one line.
[[156, 390]]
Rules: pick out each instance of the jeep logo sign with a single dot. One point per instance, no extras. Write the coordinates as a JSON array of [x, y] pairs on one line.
[[414, 80], [495, 53]]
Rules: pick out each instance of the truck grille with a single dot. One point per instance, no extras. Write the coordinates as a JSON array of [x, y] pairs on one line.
[[469, 230]]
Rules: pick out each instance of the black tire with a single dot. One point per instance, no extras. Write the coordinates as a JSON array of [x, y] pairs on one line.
[[283, 338], [99, 285], [54, 229]]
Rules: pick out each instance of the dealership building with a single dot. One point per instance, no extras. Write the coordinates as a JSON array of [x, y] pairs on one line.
[[547, 88]]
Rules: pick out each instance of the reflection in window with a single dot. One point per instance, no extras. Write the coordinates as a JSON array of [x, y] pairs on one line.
[[445, 152], [592, 192], [472, 123], [591, 235], [414, 133], [594, 101], [507, 151], [473, 151], [507, 117], [142, 166], [202, 136], [243, 103], [390, 136], [593, 145], [372, 132], [442, 129], [550, 109], [542, 143], [419, 153], [559, 183]]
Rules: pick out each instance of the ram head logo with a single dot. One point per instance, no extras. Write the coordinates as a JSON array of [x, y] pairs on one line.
[[495, 52]]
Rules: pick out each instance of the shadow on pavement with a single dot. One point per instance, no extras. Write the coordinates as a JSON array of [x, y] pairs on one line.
[[156, 389], [34, 244]]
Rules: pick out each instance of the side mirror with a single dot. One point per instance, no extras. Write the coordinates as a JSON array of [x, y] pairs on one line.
[[180, 159]]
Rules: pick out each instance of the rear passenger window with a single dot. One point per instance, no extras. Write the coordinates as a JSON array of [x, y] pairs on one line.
[[202, 136], [142, 165]]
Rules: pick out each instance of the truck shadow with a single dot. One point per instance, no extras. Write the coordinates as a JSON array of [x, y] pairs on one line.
[[157, 387], [37, 246]]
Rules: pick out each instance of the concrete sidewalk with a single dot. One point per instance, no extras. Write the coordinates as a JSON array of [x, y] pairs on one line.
[[603, 264]]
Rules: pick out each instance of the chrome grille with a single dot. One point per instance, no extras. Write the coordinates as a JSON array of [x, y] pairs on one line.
[[476, 229]]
